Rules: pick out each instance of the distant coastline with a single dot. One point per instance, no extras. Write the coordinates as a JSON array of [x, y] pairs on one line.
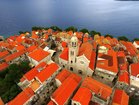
[[74, 29]]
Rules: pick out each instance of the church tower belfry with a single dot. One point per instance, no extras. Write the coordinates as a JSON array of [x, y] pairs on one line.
[[73, 50]]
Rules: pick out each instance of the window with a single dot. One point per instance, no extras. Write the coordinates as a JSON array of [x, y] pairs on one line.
[[80, 72], [51, 84], [99, 94], [73, 44], [71, 68], [132, 89], [72, 52], [81, 62]]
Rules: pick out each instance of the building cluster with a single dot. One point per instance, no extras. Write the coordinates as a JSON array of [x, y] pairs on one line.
[[73, 68]]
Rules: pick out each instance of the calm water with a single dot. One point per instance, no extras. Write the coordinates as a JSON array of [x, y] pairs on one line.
[[107, 16]]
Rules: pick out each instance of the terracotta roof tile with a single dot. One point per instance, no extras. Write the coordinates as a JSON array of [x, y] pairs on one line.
[[60, 96], [64, 44], [137, 42], [22, 97], [1, 101], [31, 48], [34, 35], [124, 77], [86, 49], [14, 55], [130, 47], [83, 96], [92, 60], [33, 72], [97, 87], [3, 66], [51, 103], [20, 48], [47, 72], [39, 54], [64, 54], [20, 38], [120, 98], [109, 61], [63, 75], [4, 54], [134, 69]]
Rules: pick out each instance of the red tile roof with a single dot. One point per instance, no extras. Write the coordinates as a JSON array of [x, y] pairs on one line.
[[79, 35], [12, 37], [39, 54], [51, 103], [63, 75], [121, 54], [20, 38], [86, 49], [14, 55], [3, 66], [63, 93], [11, 46], [85, 39], [64, 54], [97, 87], [134, 69], [120, 98], [20, 48], [22, 97], [31, 48], [3, 54], [64, 44], [124, 77], [70, 33], [109, 61], [137, 42], [92, 60], [33, 72], [83, 96], [34, 35], [49, 31], [130, 48], [47, 72], [1, 101], [3, 44]]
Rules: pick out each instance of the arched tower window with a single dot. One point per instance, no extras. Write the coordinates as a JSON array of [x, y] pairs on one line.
[[72, 52], [73, 44]]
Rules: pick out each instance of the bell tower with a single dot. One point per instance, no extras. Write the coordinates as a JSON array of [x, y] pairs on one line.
[[73, 51]]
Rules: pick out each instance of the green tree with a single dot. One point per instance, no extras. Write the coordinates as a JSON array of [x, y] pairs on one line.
[[21, 32], [93, 33], [55, 28], [24, 66], [136, 39], [123, 38], [108, 35], [71, 28], [84, 30], [9, 79], [35, 28], [133, 101]]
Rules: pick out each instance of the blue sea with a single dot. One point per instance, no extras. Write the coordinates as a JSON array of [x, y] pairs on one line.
[[117, 18]]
